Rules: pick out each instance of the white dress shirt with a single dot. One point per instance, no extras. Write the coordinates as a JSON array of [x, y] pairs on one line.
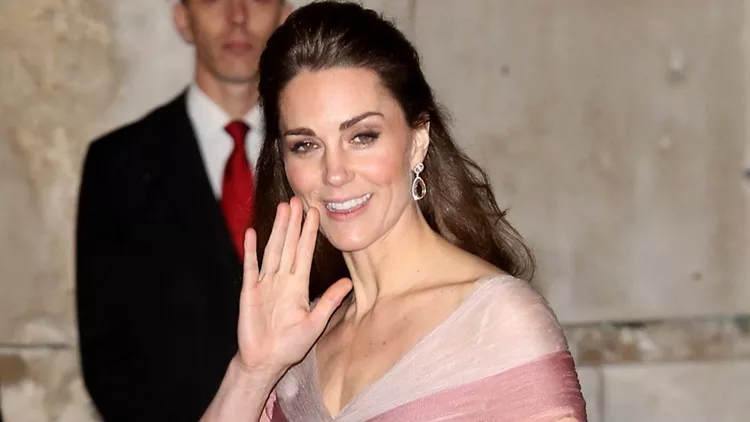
[[215, 143]]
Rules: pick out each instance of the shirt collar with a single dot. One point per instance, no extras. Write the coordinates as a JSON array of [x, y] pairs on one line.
[[254, 118], [211, 119]]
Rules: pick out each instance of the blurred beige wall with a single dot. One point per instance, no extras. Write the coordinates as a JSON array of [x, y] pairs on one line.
[[614, 130]]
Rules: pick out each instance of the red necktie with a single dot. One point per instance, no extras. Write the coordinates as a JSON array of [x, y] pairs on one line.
[[237, 190]]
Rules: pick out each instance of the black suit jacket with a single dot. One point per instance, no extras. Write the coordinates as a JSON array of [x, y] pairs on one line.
[[158, 280]]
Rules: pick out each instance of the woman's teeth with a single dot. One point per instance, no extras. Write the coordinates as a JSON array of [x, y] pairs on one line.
[[348, 205]]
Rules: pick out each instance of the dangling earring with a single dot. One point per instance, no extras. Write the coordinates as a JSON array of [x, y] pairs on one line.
[[418, 187]]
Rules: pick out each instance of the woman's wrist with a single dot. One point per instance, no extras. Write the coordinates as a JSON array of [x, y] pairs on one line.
[[256, 375], [243, 393]]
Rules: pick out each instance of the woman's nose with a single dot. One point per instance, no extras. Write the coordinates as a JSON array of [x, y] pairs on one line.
[[336, 171]]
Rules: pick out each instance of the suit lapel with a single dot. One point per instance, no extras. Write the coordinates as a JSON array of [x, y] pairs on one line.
[[185, 185]]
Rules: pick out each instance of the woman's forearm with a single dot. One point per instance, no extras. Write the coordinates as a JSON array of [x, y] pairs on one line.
[[242, 395]]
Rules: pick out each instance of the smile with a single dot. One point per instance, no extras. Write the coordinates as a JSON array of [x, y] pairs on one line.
[[348, 205]]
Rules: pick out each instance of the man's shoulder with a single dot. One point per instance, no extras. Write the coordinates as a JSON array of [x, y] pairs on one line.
[[132, 135]]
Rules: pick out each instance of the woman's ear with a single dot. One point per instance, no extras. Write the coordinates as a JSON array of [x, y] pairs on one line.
[[420, 143]]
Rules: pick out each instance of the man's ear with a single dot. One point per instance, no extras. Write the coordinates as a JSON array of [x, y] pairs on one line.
[[420, 143], [286, 10], [182, 22]]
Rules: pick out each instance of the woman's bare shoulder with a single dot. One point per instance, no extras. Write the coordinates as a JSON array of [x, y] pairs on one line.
[[518, 311]]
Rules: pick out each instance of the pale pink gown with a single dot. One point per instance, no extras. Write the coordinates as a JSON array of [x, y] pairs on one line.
[[501, 356]]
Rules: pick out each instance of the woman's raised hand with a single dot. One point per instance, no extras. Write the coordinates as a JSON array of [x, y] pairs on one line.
[[276, 326]]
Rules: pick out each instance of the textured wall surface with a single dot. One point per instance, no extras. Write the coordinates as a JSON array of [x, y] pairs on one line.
[[59, 71], [614, 130]]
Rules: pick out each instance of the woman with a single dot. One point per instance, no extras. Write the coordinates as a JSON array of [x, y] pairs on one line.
[[430, 318]]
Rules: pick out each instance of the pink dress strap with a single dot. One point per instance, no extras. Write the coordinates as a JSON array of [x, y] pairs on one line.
[[545, 390]]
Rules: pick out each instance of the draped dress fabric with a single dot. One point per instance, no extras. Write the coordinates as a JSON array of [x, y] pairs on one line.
[[500, 356]]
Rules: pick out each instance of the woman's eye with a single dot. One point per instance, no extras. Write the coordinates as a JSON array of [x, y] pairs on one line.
[[365, 138], [303, 147]]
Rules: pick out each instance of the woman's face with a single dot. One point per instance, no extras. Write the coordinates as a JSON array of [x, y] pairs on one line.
[[349, 151]]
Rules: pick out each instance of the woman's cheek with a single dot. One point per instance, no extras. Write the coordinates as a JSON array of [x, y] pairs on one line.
[[300, 182]]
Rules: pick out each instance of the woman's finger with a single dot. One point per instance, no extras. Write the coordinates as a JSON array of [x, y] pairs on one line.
[[275, 245], [250, 264], [306, 245], [292, 235]]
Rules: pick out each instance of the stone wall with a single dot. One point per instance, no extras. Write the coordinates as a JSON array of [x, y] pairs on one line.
[[615, 131]]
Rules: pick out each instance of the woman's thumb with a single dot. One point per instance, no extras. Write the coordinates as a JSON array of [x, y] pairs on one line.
[[329, 302]]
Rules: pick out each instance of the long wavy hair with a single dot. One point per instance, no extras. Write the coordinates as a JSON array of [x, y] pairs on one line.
[[459, 205]]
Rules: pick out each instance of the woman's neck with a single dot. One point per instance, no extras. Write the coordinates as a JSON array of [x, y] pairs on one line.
[[394, 264]]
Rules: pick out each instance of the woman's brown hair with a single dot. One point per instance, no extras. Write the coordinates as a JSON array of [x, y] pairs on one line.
[[459, 204]]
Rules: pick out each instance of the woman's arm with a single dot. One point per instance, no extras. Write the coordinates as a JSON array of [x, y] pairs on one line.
[[242, 395], [276, 326]]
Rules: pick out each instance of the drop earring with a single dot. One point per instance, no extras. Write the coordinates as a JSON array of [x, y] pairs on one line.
[[418, 187]]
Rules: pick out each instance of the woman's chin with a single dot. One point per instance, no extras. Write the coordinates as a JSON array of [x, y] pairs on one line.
[[348, 244]]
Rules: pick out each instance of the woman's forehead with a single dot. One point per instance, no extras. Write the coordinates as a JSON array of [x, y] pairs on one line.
[[333, 96]]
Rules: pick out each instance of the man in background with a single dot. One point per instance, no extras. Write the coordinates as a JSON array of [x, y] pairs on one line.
[[163, 206]]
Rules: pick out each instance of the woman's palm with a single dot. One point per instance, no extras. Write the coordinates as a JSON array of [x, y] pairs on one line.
[[277, 327]]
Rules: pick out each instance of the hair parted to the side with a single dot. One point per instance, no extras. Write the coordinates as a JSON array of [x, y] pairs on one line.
[[459, 204]]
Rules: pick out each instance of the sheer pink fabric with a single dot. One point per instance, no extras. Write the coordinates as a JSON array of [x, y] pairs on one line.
[[501, 356]]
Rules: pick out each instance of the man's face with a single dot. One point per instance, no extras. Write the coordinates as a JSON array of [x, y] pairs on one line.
[[229, 35]]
